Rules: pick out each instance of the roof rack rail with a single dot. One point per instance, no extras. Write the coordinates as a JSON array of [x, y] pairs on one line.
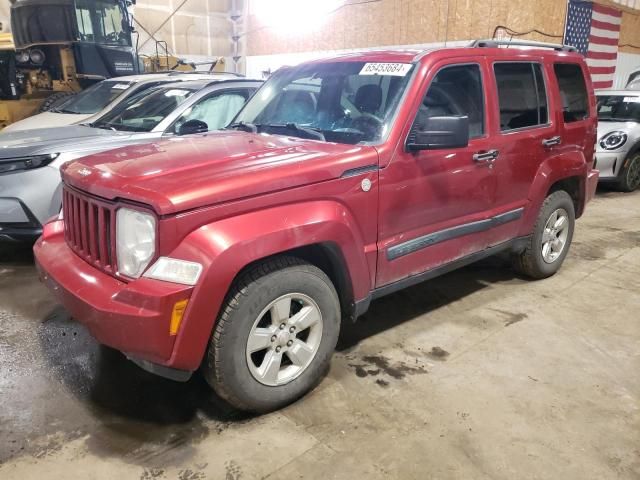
[[492, 43]]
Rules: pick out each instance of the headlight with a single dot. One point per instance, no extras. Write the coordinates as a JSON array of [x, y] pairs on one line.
[[37, 56], [22, 56], [26, 163], [135, 241], [613, 140], [174, 270]]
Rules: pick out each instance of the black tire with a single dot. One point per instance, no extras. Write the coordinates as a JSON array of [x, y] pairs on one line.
[[531, 262], [629, 176], [54, 99], [226, 365]]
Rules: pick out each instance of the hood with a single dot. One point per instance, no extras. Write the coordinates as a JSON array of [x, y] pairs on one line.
[[632, 129], [182, 173], [46, 120], [72, 138]]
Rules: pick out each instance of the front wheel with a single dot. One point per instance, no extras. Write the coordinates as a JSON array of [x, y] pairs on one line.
[[275, 337], [549, 244], [629, 178]]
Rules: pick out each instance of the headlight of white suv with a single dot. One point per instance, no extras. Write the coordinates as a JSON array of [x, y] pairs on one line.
[[613, 140], [135, 241]]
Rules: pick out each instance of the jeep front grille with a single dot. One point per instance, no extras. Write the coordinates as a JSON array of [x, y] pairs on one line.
[[89, 227]]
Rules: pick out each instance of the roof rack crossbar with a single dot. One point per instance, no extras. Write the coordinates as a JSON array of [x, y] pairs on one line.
[[492, 43]]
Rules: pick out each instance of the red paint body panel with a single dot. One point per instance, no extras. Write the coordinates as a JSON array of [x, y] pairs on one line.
[[228, 199], [133, 318]]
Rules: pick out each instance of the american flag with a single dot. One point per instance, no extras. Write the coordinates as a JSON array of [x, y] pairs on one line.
[[595, 31]]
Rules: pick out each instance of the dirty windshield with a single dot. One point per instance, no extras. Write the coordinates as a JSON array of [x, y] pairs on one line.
[[343, 102]]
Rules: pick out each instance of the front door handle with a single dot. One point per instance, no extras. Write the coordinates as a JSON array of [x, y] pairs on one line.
[[486, 157], [550, 142]]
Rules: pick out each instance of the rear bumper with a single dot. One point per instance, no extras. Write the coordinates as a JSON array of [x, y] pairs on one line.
[[131, 317], [592, 184]]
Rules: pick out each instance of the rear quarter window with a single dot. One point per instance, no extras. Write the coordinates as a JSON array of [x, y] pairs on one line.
[[573, 91]]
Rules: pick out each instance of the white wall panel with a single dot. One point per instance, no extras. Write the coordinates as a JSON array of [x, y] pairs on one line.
[[627, 63]]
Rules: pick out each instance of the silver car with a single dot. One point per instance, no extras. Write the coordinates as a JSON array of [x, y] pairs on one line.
[[30, 187], [618, 149], [98, 99]]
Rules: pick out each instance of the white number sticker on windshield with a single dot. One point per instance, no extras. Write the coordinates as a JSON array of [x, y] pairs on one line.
[[120, 86], [631, 99], [394, 69]]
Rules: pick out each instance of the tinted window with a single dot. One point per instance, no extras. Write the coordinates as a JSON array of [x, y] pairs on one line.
[[573, 92], [456, 91], [522, 95]]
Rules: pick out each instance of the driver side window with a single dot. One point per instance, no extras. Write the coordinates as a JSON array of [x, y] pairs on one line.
[[455, 91], [216, 110]]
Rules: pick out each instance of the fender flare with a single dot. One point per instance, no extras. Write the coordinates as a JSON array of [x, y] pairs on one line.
[[226, 247], [554, 169]]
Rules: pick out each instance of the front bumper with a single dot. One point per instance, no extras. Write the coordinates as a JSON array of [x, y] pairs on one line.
[[609, 164], [131, 317], [29, 198]]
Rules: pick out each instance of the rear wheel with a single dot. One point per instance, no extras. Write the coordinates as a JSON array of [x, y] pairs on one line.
[[549, 244], [54, 99], [275, 337], [629, 177]]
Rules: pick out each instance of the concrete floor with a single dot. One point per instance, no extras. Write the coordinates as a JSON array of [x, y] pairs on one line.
[[479, 374]]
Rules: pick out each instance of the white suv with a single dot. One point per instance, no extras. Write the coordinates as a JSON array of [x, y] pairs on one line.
[[98, 99]]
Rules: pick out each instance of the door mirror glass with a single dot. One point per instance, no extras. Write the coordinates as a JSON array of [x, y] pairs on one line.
[[193, 126], [439, 133]]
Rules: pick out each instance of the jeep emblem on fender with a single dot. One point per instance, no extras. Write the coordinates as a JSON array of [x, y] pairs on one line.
[[366, 185]]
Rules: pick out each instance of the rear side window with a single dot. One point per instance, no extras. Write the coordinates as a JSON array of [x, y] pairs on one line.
[[456, 90], [522, 95], [573, 92]]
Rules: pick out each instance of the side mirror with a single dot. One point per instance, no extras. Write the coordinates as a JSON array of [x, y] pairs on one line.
[[438, 133], [193, 126]]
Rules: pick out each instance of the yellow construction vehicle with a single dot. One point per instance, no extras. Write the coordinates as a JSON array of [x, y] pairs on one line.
[[59, 47]]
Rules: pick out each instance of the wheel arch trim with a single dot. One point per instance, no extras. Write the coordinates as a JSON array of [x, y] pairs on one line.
[[226, 247]]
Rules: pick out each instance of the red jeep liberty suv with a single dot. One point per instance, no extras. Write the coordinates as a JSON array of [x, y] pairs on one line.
[[241, 252]]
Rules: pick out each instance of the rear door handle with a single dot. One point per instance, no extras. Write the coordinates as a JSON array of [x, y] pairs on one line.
[[489, 156], [550, 142]]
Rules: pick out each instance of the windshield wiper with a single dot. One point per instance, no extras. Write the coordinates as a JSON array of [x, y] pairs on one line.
[[247, 127], [102, 126], [311, 133]]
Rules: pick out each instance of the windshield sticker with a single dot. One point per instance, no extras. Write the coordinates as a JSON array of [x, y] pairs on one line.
[[120, 86], [632, 99], [394, 69]]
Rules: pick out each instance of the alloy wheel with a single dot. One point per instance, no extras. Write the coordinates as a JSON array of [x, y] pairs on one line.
[[284, 339], [554, 236]]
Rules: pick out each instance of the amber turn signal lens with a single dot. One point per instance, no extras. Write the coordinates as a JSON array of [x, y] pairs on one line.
[[176, 316]]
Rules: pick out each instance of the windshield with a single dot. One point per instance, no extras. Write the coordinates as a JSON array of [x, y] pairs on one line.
[[94, 98], [144, 110], [619, 108], [102, 21], [343, 102], [42, 24]]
